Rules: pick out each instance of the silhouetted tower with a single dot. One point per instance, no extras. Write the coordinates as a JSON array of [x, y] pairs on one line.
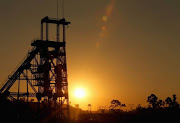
[[77, 106], [44, 70], [89, 108]]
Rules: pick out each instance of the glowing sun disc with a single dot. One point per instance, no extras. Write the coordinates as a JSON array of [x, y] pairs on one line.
[[79, 93]]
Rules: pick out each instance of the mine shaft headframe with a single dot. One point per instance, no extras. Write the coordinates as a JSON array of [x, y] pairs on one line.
[[56, 21]]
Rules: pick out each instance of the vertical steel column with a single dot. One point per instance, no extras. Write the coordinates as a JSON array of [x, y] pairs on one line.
[[47, 30], [27, 87], [64, 33], [67, 96], [41, 31], [18, 87], [57, 32]]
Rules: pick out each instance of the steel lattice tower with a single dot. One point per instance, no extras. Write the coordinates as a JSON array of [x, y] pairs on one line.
[[44, 70]]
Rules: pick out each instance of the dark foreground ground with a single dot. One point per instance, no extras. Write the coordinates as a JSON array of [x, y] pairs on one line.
[[11, 112], [136, 116]]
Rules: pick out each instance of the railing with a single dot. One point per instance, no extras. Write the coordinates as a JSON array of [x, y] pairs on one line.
[[13, 72], [21, 62]]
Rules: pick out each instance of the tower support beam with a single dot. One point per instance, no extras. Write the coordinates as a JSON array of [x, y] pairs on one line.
[[44, 70]]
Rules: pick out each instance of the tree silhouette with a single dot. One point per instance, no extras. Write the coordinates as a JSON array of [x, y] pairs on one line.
[[168, 101], [139, 107], [116, 105], [152, 99], [160, 103], [174, 97], [175, 103]]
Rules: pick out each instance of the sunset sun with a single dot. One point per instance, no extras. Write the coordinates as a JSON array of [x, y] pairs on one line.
[[79, 93]]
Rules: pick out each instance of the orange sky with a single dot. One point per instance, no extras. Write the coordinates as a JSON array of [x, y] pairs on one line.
[[116, 49]]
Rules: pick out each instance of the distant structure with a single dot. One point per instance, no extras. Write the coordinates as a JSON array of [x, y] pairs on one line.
[[89, 108], [43, 73], [77, 106]]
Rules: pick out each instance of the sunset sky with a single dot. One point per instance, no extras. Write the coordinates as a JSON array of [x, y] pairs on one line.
[[116, 49]]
